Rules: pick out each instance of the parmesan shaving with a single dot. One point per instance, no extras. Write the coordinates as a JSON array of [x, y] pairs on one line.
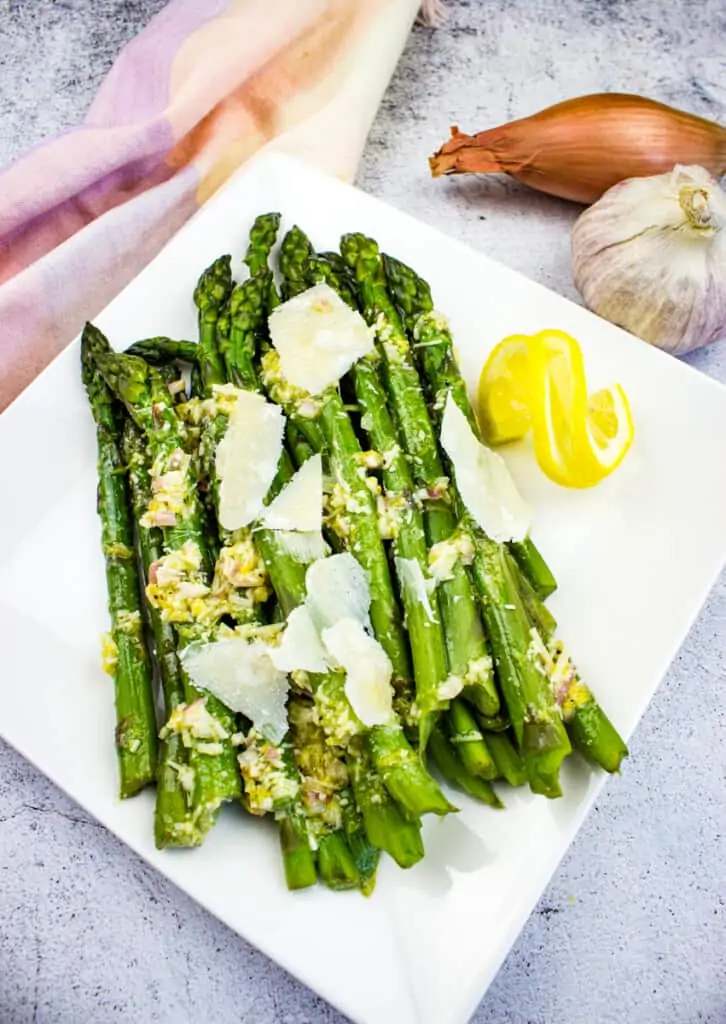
[[483, 480], [241, 674], [299, 505], [247, 458], [318, 338]]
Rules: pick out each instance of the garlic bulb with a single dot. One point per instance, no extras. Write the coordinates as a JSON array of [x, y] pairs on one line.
[[650, 256]]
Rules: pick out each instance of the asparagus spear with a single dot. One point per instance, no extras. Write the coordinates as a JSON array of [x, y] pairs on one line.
[[532, 709], [507, 758], [468, 656], [537, 611], [208, 727], [466, 737], [262, 238], [295, 251], [428, 646], [589, 728], [324, 778], [172, 803], [365, 854], [436, 356], [385, 825], [158, 351], [267, 773], [535, 717], [452, 769], [135, 718], [210, 295]]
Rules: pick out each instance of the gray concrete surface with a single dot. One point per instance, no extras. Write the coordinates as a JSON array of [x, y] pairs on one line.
[[633, 926]]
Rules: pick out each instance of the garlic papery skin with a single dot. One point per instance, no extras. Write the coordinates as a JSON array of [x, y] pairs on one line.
[[650, 256]]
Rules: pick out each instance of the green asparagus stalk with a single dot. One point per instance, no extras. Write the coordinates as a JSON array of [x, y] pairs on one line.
[[158, 351], [385, 825], [262, 238], [449, 764], [467, 739], [298, 445], [436, 356], [428, 646], [336, 863], [297, 859], [172, 804], [232, 347], [142, 390], [135, 718], [507, 758], [493, 723], [467, 651], [537, 611], [535, 717], [365, 854], [295, 251], [210, 295], [360, 528], [589, 728]]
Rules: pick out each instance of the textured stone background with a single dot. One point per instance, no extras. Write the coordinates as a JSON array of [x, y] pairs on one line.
[[633, 926]]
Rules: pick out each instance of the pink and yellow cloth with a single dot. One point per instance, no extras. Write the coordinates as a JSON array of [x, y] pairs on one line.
[[207, 84]]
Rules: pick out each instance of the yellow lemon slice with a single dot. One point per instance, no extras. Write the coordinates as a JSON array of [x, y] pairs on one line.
[[539, 382], [503, 400]]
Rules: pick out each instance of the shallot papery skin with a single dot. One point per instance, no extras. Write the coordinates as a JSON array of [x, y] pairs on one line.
[[580, 148]]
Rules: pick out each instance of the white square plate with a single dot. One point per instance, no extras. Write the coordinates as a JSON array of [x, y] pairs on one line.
[[635, 558]]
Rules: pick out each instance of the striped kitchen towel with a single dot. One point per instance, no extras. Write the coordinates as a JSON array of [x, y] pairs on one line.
[[207, 84]]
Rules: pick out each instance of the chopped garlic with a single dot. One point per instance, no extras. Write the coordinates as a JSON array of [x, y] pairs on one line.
[[194, 722], [444, 555], [267, 784], [479, 670], [109, 654], [129, 622], [185, 774], [172, 492], [176, 586]]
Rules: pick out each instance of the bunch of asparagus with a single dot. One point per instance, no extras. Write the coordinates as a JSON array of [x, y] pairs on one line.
[[339, 792]]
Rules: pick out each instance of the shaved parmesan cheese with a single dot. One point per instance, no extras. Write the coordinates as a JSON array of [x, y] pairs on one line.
[[299, 505], [242, 675], [304, 547], [484, 482], [367, 668], [300, 648], [247, 457], [318, 338], [412, 578], [337, 588]]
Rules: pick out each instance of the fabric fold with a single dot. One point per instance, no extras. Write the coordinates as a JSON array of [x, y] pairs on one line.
[[199, 91]]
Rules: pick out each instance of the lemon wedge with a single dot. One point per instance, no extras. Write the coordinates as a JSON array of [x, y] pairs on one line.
[[538, 382]]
